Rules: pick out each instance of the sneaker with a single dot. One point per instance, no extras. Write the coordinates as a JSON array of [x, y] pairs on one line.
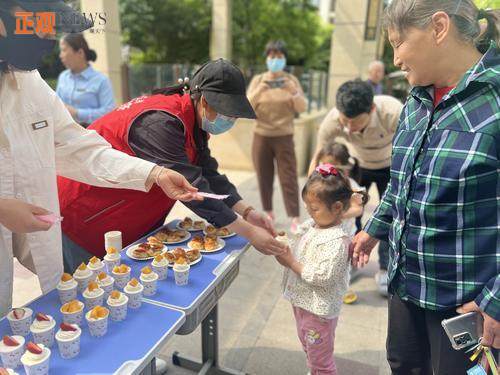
[[382, 281]]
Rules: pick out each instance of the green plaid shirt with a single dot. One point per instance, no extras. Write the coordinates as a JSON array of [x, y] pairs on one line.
[[440, 212]]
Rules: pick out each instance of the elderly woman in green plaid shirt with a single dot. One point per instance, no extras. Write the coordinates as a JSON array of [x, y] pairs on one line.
[[440, 212]]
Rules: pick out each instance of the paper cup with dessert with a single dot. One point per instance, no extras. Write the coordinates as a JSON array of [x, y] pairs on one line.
[[72, 312], [11, 350], [106, 283], [36, 359], [134, 290], [97, 320], [149, 280], [112, 259], [121, 274], [117, 303], [67, 288], [159, 265], [96, 266], [20, 320], [83, 277], [181, 271], [68, 340], [93, 295], [43, 329]]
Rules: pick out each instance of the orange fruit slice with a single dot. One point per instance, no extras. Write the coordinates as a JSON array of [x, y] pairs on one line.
[[92, 286], [66, 277], [82, 267], [350, 297], [134, 282], [115, 294], [111, 250], [94, 260], [146, 270], [102, 276]]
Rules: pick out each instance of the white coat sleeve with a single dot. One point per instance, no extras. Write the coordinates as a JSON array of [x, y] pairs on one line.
[[84, 156]]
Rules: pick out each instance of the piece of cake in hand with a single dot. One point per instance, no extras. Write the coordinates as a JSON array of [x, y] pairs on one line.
[[149, 281], [283, 238], [121, 274], [181, 271], [20, 320], [106, 283], [43, 329], [72, 312], [11, 350], [97, 320], [83, 277], [112, 259], [36, 359], [134, 290], [68, 340], [159, 265], [67, 288], [95, 265], [117, 304], [93, 295]]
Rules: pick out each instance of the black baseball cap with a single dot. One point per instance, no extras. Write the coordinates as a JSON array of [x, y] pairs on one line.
[[68, 20], [223, 87]]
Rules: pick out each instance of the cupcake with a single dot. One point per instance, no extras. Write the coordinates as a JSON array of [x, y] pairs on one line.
[[181, 271], [149, 280], [117, 303], [95, 265], [36, 359], [283, 238], [20, 320], [43, 330], [112, 259], [11, 350], [97, 320], [160, 266], [121, 274], [83, 277], [93, 295], [68, 340], [106, 283], [72, 312], [134, 290], [67, 288]]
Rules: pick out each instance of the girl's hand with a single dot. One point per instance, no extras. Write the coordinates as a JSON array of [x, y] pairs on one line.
[[175, 186], [286, 259]]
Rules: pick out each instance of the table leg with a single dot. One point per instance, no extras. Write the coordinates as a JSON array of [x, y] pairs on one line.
[[209, 349]]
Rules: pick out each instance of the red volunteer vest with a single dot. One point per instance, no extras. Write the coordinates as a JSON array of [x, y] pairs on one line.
[[91, 211]]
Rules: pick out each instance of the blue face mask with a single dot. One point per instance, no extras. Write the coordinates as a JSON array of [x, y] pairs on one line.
[[220, 125], [276, 64]]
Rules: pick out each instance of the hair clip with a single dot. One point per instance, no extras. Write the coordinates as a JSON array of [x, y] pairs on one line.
[[327, 170]]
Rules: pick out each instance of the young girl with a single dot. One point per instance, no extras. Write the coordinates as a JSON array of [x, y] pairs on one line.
[[338, 155], [317, 273]]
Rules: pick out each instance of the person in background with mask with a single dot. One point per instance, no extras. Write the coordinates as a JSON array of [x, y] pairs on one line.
[[170, 128], [38, 138], [277, 98], [86, 92], [376, 73]]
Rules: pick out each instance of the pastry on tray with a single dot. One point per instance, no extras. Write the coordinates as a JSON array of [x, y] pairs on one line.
[[199, 225], [187, 223], [210, 229], [211, 243], [197, 243], [193, 255], [169, 235], [179, 253]]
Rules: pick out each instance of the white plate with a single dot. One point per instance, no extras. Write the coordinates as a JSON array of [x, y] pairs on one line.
[[228, 236], [190, 264], [130, 254], [178, 226], [188, 236], [222, 244]]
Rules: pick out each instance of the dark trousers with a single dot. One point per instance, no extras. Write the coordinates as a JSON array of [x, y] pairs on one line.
[[381, 178], [417, 343], [265, 150]]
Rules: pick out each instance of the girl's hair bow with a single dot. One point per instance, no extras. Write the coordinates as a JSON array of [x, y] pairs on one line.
[[327, 170]]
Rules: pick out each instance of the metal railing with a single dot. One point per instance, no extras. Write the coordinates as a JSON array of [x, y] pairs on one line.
[[143, 78]]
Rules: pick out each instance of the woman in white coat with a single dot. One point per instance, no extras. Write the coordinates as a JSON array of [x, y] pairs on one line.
[[39, 139]]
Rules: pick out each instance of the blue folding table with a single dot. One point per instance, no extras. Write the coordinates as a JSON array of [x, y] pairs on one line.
[[208, 280], [129, 347]]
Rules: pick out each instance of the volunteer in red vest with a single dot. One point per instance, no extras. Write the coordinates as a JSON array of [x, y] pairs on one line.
[[170, 128]]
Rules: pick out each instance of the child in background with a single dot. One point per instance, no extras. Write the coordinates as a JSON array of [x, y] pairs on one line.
[[317, 271]]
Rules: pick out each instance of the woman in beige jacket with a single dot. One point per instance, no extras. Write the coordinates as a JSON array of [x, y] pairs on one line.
[[277, 98]]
